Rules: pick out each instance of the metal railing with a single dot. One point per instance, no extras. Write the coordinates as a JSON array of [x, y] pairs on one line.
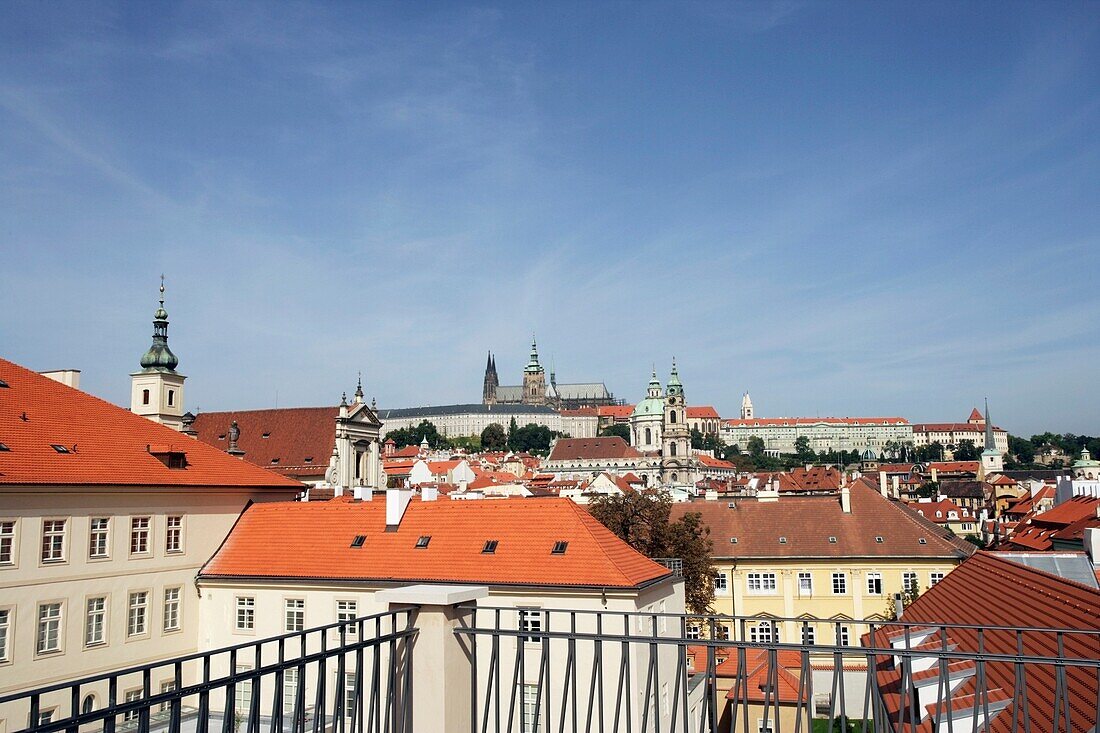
[[559, 670], [348, 676], [573, 670]]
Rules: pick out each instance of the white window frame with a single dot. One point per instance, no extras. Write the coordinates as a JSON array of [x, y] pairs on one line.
[[528, 722], [349, 694], [131, 696], [245, 617], [49, 627], [140, 529], [347, 610], [294, 608], [721, 584], [808, 634], [935, 577], [693, 631], [242, 692], [99, 538], [840, 580], [290, 689], [530, 619], [845, 638], [764, 632], [7, 543], [874, 584], [7, 615], [808, 588], [54, 540], [173, 609], [765, 584], [95, 621], [909, 581], [137, 614], [173, 534]]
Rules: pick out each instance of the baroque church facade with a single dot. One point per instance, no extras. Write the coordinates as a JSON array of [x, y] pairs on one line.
[[537, 390], [659, 425]]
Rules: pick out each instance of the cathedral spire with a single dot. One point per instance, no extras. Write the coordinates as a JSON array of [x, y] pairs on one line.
[[988, 428], [159, 357]]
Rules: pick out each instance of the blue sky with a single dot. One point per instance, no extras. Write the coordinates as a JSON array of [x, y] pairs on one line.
[[845, 209]]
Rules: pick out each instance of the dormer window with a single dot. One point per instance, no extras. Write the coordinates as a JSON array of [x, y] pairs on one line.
[[878, 540], [266, 435], [922, 541], [169, 456], [559, 547], [782, 540], [832, 540], [274, 461], [422, 541]]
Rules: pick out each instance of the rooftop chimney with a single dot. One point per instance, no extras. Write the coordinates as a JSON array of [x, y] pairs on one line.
[[397, 501], [429, 493], [1092, 543], [846, 500], [767, 495], [68, 377], [882, 483]]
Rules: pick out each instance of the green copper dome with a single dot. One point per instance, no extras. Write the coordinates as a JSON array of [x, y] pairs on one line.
[[159, 357], [533, 366]]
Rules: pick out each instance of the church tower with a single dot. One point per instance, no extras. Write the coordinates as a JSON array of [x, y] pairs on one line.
[[491, 382], [675, 439], [992, 461], [156, 392], [534, 379], [746, 407]]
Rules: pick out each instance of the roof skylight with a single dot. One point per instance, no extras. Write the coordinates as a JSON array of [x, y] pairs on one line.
[[422, 541], [60, 448], [559, 547], [359, 540], [490, 547]]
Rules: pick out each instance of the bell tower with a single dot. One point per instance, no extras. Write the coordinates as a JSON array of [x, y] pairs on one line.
[[676, 458], [534, 379], [156, 392], [491, 381], [992, 460]]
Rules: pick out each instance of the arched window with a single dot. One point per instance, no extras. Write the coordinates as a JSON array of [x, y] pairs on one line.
[[145, 397], [674, 478], [672, 449], [648, 436], [88, 705], [672, 416]]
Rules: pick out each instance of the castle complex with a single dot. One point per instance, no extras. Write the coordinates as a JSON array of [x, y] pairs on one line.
[[536, 390]]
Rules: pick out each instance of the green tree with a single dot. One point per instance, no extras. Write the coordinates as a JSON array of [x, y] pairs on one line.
[[1022, 449], [415, 435], [620, 429], [966, 451], [493, 437], [531, 438], [802, 449], [696, 439], [756, 447], [929, 489], [643, 521]]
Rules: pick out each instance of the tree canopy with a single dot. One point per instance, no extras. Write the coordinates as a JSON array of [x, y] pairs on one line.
[[415, 435], [493, 437], [643, 522], [620, 429]]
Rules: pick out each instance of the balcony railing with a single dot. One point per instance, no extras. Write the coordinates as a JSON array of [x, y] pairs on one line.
[[506, 669]]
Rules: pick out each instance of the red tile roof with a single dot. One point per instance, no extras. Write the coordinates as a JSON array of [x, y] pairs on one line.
[[955, 466], [106, 444], [976, 416], [757, 662], [580, 412], [580, 449], [619, 412], [712, 462], [928, 510], [951, 427], [816, 478], [299, 440], [809, 521], [703, 412], [989, 591], [314, 542]]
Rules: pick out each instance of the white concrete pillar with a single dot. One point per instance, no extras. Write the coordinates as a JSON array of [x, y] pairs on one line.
[[442, 666]]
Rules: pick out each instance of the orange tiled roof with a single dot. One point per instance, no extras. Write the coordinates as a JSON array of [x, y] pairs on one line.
[[314, 541], [807, 523], [712, 462], [816, 478], [988, 591], [106, 444], [573, 449], [619, 412], [703, 412], [295, 441]]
